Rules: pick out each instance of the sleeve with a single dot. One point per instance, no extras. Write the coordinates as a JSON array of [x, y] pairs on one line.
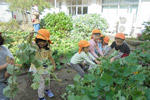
[[9, 54], [92, 50], [107, 50], [91, 56], [119, 55], [127, 49], [100, 51], [113, 45], [86, 58]]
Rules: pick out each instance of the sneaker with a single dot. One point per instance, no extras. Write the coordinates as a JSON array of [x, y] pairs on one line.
[[49, 93], [42, 99]]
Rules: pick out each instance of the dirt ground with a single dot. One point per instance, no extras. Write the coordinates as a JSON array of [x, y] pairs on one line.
[[25, 92]]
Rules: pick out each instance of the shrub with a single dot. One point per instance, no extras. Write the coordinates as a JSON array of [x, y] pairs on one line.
[[57, 23], [86, 23], [146, 33]]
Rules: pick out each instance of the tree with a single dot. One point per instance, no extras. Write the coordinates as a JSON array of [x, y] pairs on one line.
[[25, 5]]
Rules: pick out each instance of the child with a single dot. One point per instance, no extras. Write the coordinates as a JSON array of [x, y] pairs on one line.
[[105, 43], [83, 55], [94, 43], [120, 45], [100, 43], [4, 55], [43, 52], [36, 22]]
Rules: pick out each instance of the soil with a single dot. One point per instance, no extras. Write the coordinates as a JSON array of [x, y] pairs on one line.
[[25, 92]]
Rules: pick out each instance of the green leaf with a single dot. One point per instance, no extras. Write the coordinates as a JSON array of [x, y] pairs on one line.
[[77, 78], [35, 86], [10, 69]]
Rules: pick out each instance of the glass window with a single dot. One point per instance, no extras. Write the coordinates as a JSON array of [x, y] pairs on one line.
[[73, 2], [79, 2], [73, 10], [85, 2], [69, 10], [79, 10], [85, 10], [68, 2], [77, 6]]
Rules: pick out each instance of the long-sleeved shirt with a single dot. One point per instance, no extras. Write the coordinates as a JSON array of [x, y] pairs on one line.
[[79, 58], [123, 49], [93, 46], [4, 53]]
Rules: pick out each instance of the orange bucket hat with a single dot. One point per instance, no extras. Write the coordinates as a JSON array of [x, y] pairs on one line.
[[106, 39], [95, 31], [82, 44], [120, 36], [44, 34]]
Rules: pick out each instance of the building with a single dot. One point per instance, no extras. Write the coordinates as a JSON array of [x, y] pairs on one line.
[[5, 14], [122, 15]]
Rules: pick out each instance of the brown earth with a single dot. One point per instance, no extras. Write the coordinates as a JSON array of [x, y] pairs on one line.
[[25, 92]]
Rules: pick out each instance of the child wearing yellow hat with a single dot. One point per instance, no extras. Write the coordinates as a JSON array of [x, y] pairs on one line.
[[120, 45], [83, 55], [43, 53]]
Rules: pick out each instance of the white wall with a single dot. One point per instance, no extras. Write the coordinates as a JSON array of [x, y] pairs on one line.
[[5, 14], [143, 13], [94, 6]]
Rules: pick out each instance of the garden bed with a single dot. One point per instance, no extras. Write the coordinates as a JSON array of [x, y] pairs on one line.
[[25, 92]]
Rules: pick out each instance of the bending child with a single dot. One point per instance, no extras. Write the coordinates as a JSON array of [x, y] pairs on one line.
[[94, 43], [120, 45], [83, 56]]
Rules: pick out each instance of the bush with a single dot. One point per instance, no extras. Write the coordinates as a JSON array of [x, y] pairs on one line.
[[86, 23], [12, 25], [59, 26], [57, 23], [146, 33]]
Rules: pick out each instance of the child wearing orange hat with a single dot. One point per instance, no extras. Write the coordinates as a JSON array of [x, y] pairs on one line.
[[105, 43], [94, 43], [120, 45], [83, 55], [43, 53]]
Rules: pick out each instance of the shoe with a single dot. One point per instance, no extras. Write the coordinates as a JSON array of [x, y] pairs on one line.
[[68, 65], [42, 99], [49, 93]]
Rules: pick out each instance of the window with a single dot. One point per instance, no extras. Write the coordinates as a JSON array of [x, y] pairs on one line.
[[119, 6], [77, 7], [85, 10]]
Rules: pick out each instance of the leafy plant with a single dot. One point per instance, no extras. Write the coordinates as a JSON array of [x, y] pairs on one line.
[[86, 23], [11, 90], [58, 23], [146, 33], [124, 79]]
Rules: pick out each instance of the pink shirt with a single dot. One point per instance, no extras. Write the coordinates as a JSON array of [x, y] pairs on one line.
[[93, 46]]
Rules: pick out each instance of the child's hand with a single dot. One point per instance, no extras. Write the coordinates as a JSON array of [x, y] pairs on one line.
[[112, 59], [10, 61], [97, 62]]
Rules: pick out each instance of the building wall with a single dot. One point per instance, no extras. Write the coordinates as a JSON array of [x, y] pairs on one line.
[[5, 14]]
